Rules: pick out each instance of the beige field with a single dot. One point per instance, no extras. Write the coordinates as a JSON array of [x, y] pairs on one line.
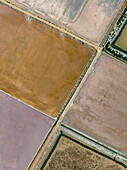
[[88, 18]]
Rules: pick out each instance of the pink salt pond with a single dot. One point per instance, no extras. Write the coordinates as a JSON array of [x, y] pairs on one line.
[[22, 130]]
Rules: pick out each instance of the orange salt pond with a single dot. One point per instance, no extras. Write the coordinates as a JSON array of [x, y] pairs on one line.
[[37, 65]]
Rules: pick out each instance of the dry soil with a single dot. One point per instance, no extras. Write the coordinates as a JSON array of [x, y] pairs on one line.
[[70, 155]]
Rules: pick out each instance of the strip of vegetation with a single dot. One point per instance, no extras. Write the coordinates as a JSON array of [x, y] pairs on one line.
[[108, 45]]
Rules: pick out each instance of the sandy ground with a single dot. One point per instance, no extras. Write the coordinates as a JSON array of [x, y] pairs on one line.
[[122, 40], [38, 65], [100, 108], [88, 18], [22, 130], [70, 155], [95, 19]]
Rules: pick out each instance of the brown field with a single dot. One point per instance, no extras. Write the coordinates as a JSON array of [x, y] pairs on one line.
[[122, 40], [100, 108], [70, 155], [22, 130], [38, 66], [87, 18]]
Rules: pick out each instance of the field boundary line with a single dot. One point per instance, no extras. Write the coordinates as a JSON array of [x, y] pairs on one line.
[[61, 29]]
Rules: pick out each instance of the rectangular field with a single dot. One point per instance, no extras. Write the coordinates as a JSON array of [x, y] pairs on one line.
[[88, 18], [69, 154], [22, 130], [100, 108], [37, 64]]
